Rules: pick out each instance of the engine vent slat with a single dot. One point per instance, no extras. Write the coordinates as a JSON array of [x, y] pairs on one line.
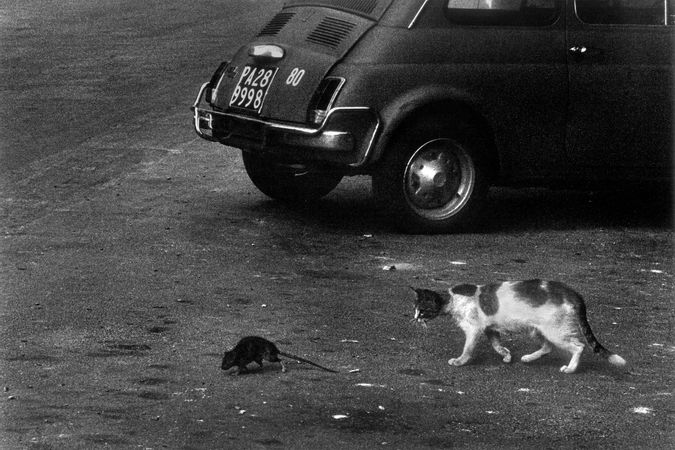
[[277, 23], [359, 6], [331, 32], [364, 6]]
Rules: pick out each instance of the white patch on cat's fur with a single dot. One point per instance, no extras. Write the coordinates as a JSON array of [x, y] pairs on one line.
[[555, 313], [515, 315], [617, 360]]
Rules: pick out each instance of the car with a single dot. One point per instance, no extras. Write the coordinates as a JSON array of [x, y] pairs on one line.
[[437, 100]]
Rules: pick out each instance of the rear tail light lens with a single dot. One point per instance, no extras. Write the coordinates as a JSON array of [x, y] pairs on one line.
[[323, 99]]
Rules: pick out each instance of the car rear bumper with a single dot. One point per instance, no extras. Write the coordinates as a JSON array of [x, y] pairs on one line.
[[346, 136]]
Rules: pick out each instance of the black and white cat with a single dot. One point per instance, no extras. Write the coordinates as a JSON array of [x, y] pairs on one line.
[[555, 314]]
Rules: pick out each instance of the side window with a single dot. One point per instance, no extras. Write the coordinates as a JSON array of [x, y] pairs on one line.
[[623, 12], [503, 12]]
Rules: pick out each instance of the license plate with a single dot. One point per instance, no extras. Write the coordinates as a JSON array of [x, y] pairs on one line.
[[252, 88]]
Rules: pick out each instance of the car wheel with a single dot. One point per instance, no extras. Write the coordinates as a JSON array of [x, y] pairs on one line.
[[289, 182], [432, 181]]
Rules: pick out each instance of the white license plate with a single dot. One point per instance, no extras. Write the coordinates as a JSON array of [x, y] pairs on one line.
[[252, 88]]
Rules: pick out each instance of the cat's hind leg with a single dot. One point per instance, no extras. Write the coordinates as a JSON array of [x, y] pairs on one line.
[[575, 347], [545, 348], [493, 336], [570, 342]]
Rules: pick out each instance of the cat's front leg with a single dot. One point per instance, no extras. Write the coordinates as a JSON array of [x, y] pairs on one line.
[[472, 337], [494, 338], [458, 361]]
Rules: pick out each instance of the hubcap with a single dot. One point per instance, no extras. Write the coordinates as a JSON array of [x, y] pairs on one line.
[[439, 179]]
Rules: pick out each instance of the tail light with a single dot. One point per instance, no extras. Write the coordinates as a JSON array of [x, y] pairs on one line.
[[213, 83], [323, 99]]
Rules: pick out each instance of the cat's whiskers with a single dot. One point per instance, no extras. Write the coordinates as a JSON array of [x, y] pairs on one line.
[[419, 320]]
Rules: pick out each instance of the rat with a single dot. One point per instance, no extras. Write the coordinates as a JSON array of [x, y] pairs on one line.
[[256, 348]]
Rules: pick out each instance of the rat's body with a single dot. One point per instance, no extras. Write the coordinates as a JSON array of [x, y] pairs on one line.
[[255, 348]]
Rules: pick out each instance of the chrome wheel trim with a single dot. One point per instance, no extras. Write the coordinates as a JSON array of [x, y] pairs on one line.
[[439, 179]]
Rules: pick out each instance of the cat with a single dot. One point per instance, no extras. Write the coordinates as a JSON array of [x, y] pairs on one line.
[[553, 312]]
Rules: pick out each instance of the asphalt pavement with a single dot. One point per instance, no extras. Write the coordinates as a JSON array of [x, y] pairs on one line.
[[133, 254]]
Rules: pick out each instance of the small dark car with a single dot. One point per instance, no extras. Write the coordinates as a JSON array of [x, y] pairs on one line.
[[439, 99]]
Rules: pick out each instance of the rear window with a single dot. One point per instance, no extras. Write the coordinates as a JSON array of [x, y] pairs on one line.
[[623, 12], [503, 12]]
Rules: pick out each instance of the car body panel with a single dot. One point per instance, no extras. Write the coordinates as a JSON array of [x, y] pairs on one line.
[[314, 40], [525, 81], [620, 117], [553, 118]]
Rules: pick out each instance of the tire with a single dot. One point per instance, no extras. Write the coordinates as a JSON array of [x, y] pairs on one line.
[[433, 180], [291, 183]]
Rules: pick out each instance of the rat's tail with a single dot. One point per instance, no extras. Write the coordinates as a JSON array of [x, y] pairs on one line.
[[297, 358]]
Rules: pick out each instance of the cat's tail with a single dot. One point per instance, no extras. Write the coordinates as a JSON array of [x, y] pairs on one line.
[[597, 347]]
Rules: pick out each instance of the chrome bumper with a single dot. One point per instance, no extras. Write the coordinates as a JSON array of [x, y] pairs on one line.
[[346, 131]]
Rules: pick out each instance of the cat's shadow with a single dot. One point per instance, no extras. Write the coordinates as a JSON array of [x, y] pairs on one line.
[[485, 358], [589, 364]]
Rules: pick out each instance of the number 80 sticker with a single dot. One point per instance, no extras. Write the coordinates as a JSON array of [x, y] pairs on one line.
[[295, 77]]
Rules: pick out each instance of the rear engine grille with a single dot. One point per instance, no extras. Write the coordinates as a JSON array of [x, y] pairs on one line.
[[276, 24], [358, 6], [331, 32], [364, 6]]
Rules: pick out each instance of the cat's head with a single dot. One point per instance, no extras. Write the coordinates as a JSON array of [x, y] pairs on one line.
[[428, 305]]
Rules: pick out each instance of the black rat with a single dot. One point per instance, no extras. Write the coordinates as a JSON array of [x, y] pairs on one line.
[[256, 348]]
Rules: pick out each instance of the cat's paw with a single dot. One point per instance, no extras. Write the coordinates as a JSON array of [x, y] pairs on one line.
[[507, 358], [528, 358], [567, 369], [456, 362]]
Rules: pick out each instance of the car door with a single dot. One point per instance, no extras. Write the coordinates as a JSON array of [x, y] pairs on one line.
[[620, 81], [507, 59]]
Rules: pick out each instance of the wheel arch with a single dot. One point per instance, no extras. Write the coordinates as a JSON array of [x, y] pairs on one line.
[[438, 103]]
